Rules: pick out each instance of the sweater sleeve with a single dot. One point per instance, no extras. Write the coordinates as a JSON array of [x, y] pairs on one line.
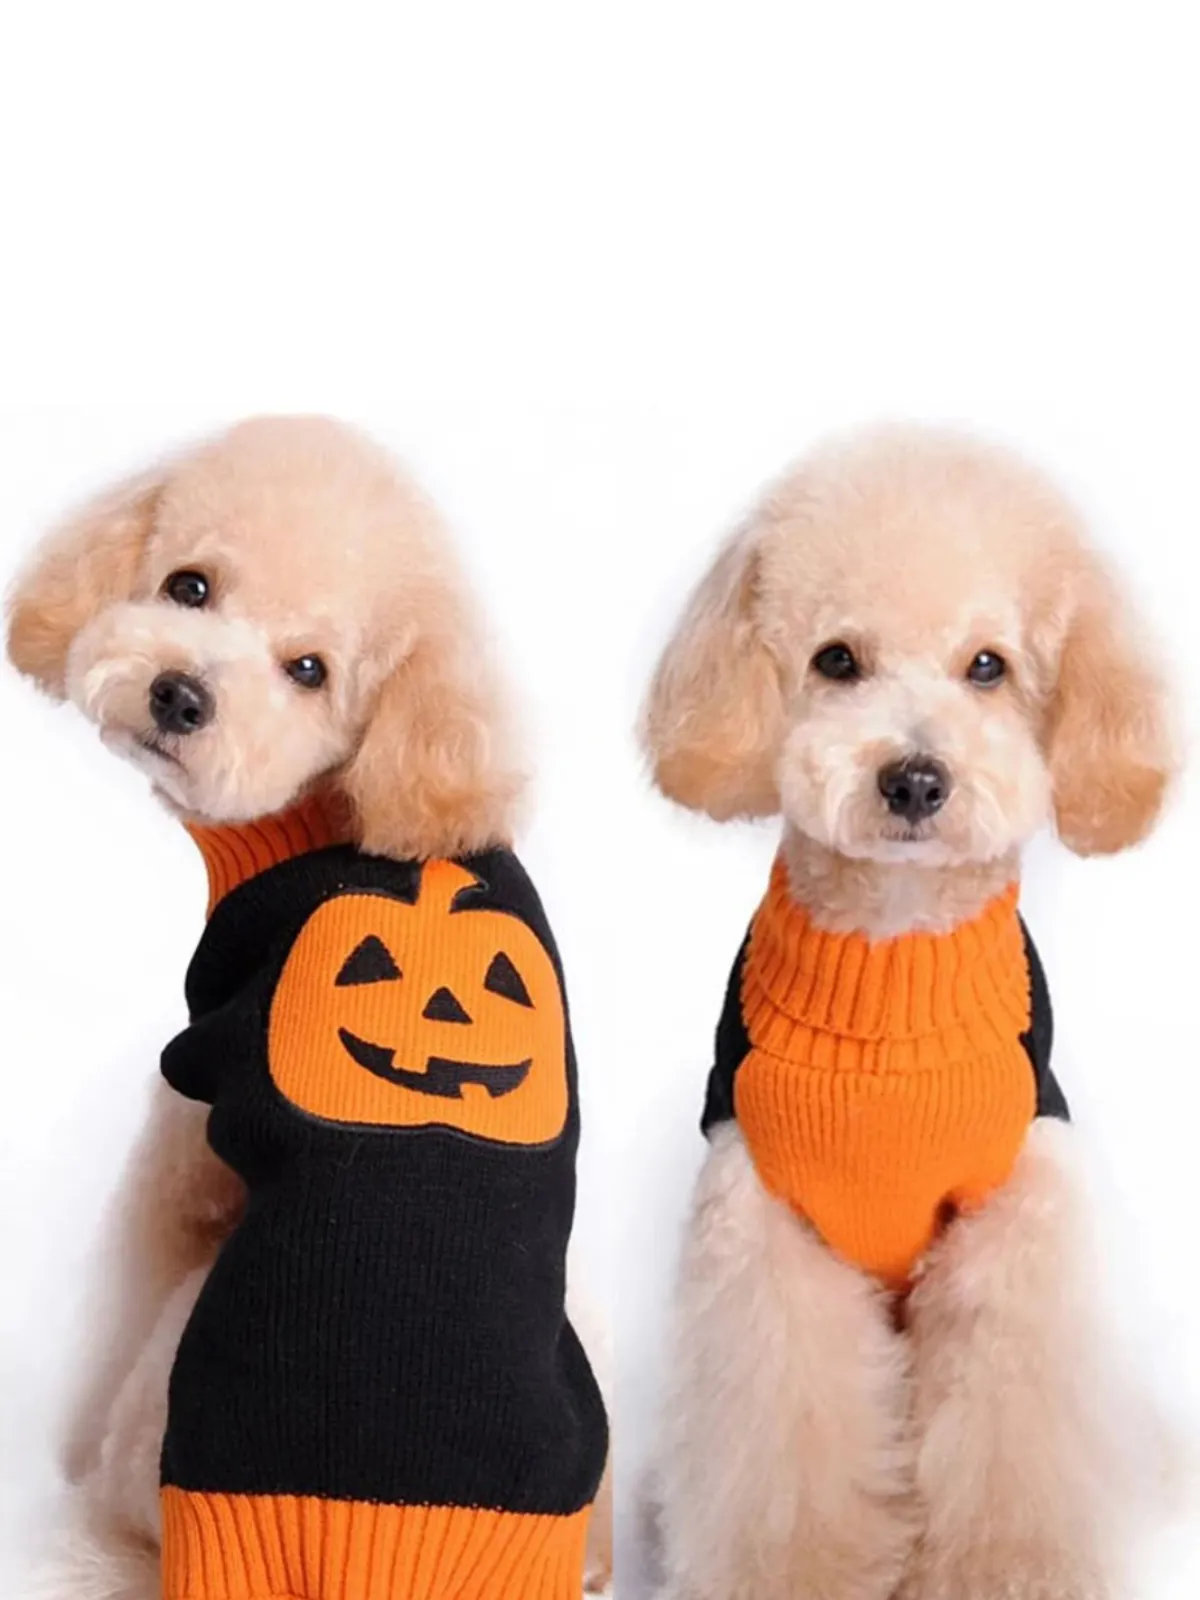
[[190, 1063], [732, 1048], [1038, 1039]]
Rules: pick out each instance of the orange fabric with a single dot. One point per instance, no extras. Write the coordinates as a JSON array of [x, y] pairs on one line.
[[234, 852], [420, 1038], [266, 1547], [886, 1083]]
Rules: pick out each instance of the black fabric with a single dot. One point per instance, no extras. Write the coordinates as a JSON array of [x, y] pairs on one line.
[[733, 1043], [732, 1048], [1038, 1040], [387, 1323]]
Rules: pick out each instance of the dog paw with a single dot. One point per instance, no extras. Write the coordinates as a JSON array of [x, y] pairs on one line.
[[1004, 1572]]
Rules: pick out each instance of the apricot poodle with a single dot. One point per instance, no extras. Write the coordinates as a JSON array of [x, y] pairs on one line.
[[891, 1374], [165, 611]]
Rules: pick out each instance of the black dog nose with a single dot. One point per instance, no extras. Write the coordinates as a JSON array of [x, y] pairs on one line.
[[179, 703], [916, 788]]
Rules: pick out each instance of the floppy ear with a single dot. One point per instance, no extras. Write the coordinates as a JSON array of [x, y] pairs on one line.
[[714, 717], [1109, 739], [88, 563], [434, 774]]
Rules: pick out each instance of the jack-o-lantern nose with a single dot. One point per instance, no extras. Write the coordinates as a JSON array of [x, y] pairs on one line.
[[444, 1006]]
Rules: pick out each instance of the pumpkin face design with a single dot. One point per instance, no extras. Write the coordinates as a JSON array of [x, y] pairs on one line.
[[434, 1014]]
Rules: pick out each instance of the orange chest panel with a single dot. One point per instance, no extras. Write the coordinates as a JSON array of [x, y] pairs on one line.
[[430, 1014], [881, 1087], [876, 1161]]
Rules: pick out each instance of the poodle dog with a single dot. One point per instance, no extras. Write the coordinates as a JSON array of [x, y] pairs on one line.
[[890, 1375], [271, 620]]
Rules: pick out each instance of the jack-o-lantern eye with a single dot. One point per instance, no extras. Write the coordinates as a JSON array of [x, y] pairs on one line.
[[443, 1011], [369, 962], [503, 978]]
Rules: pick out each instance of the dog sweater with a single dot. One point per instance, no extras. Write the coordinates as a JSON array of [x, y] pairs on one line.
[[883, 1087], [379, 1395]]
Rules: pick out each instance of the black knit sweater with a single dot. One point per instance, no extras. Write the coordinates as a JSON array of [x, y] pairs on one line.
[[387, 1323]]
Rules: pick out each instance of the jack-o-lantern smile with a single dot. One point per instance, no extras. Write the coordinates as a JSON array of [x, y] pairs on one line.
[[441, 1077], [436, 1013]]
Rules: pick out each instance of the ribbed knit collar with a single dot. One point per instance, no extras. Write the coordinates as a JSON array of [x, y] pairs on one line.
[[904, 988], [235, 852]]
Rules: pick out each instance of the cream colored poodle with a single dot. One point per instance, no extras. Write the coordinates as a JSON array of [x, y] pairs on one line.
[[276, 609], [911, 654]]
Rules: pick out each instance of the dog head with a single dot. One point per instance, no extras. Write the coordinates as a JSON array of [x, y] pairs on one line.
[[274, 607], [911, 652]]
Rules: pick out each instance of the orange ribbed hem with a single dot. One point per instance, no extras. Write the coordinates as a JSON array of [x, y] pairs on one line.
[[238, 851], [286, 1547]]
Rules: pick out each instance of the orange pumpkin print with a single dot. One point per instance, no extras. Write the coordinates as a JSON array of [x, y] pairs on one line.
[[423, 1015]]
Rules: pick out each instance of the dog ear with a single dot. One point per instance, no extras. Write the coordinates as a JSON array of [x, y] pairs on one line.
[[1108, 736], [90, 562], [714, 716], [434, 774]]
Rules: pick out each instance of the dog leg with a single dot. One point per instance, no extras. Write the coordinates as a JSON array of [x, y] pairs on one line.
[[92, 1563], [782, 1468], [177, 1203], [110, 1549], [122, 1490], [1024, 1452]]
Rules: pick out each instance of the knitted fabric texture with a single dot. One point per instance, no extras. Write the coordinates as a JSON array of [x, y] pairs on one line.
[[231, 855], [883, 1087], [379, 1393], [227, 1546]]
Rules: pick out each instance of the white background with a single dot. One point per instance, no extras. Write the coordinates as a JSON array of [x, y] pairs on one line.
[[595, 271]]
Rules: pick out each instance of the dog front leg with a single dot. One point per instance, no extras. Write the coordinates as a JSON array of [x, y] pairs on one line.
[[1024, 1449], [782, 1467]]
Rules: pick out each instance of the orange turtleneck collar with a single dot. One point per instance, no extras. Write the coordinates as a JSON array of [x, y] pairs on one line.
[[234, 852], [891, 996], [884, 1084]]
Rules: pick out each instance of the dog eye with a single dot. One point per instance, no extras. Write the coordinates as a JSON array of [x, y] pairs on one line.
[[986, 669], [308, 671], [837, 662], [187, 588]]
